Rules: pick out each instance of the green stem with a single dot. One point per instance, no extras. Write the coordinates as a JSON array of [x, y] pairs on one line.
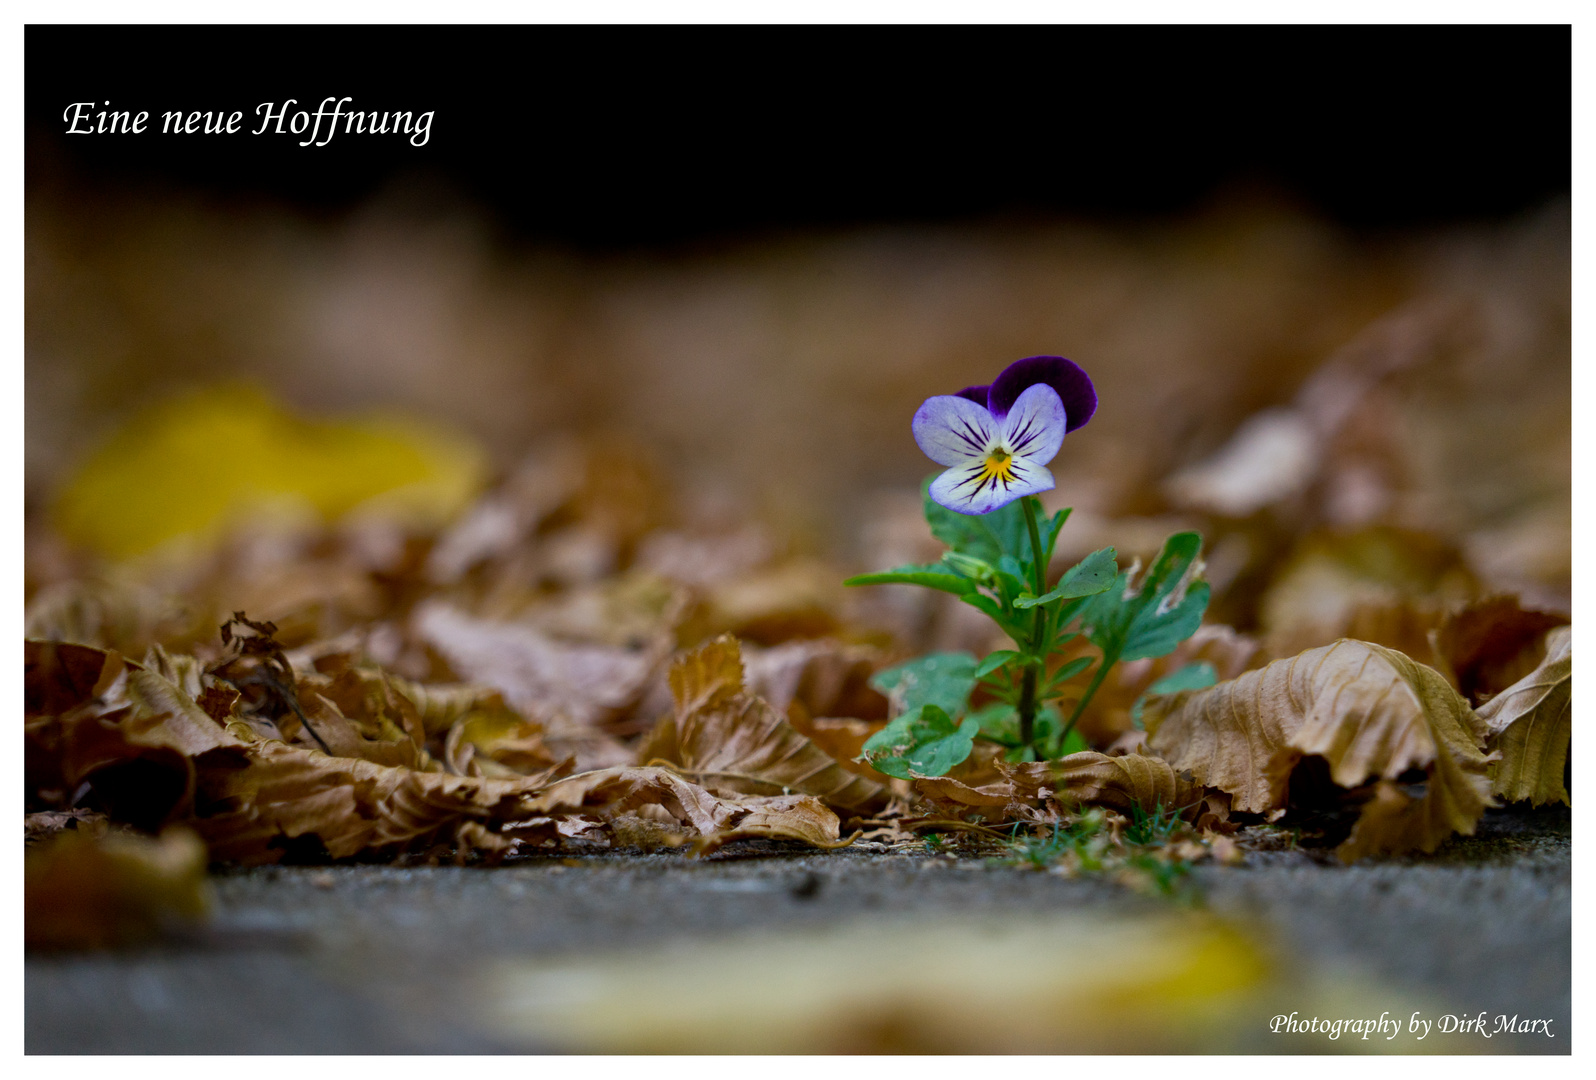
[[1027, 706], [1038, 571], [1091, 688]]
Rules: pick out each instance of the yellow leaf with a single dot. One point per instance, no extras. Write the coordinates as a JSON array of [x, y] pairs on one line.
[[732, 741], [1071, 982], [196, 464], [1529, 725], [85, 891], [1370, 712]]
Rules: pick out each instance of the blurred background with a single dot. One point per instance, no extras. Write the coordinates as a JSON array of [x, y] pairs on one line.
[[1321, 277]]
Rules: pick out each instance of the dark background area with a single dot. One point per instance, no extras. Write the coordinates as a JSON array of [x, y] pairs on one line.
[[606, 138]]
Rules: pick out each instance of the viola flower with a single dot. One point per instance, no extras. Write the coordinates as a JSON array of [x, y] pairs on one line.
[[997, 440]]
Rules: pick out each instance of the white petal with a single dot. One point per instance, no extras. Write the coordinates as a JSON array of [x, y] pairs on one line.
[[1030, 478], [954, 430], [1034, 428], [963, 489]]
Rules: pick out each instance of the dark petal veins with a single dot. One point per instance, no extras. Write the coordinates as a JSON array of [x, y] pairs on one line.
[[1074, 388], [1024, 437], [971, 436], [976, 394]]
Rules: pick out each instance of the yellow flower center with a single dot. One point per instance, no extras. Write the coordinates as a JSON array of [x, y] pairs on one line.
[[999, 463]]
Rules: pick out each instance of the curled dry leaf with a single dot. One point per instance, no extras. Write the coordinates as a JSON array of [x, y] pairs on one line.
[[826, 677], [1118, 783], [1529, 725], [85, 891], [1086, 778], [613, 793], [995, 802], [1487, 646], [1370, 712], [572, 689], [150, 755], [733, 741], [285, 794]]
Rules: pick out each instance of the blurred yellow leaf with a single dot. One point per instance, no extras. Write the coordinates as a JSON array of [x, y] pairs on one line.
[[1369, 711], [1053, 983], [1530, 724], [195, 464], [86, 891]]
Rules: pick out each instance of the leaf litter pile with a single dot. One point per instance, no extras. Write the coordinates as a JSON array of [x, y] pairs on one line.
[[559, 659]]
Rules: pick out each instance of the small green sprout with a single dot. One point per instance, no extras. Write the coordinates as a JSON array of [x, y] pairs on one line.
[[1154, 829]]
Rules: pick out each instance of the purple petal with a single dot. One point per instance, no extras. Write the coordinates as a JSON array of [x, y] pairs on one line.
[[976, 394], [1034, 428], [963, 490], [952, 430], [1066, 378]]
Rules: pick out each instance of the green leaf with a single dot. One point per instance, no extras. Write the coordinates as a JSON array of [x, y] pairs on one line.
[[1014, 576], [1051, 531], [1049, 724], [1092, 575], [988, 607], [1156, 617], [994, 661], [971, 567], [924, 741], [1008, 526], [1158, 635], [931, 575], [987, 537], [1074, 743], [941, 679], [1068, 671], [1198, 676], [998, 722], [966, 534]]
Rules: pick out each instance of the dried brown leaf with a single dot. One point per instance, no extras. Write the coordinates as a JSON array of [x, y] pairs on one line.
[[797, 599], [958, 797], [1381, 584], [1370, 712], [540, 677], [1529, 724], [288, 793], [1115, 782], [826, 677], [1487, 646], [733, 741], [611, 793], [442, 705], [253, 799], [497, 743]]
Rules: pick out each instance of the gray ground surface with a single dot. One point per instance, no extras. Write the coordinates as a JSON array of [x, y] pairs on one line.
[[361, 959]]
